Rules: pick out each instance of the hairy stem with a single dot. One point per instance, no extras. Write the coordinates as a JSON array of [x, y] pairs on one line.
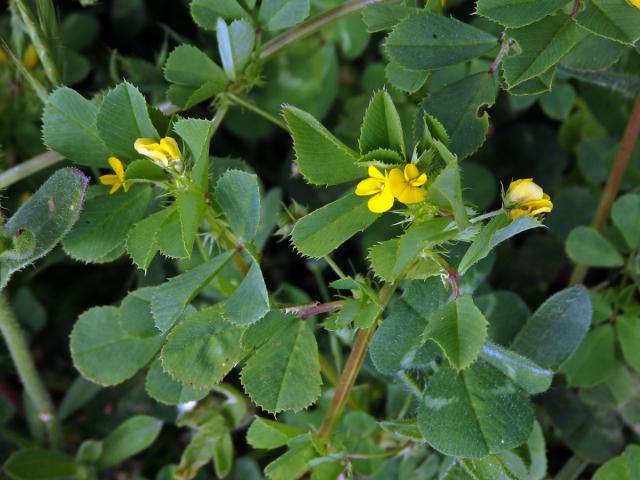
[[612, 187], [33, 385], [249, 105], [352, 369], [311, 26]]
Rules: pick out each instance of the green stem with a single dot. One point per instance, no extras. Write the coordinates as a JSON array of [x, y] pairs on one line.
[[257, 110], [572, 469], [334, 266], [310, 26], [612, 187], [35, 389], [352, 368], [24, 169]]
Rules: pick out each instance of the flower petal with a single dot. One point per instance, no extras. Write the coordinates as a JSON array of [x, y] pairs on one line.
[[518, 212], [170, 146], [109, 179], [115, 188], [397, 182], [375, 173], [381, 202], [117, 167], [411, 195], [524, 190], [411, 172], [369, 186], [421, 180]]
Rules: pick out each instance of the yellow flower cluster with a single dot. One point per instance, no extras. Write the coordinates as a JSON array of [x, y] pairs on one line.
[[387, 186], [117, 178], [525, 197], [164, 153]]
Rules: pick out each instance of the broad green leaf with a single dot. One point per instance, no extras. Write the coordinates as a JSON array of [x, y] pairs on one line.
[[76, 396], [135, 314], [475, 412], [191, 207], [587, 246], [202, 349], [190, 66], [123, 117], [559, 102], [397, 343], [101, 231], [268, 434], [170, 242], [446, 192], [197, 135], [89, 451], [250, 301], [379, 16], [625, 84], [404, 79], [69, 128], [535, 85], [223, 455], [461, 107], [42, 221], [506, 313], [270, 325], [238, 195], [172, 297], [294, 463], [542, 45], [381, 126], [623, 467], [594, 360], [186, 97], [628, 331], [613, 19], [556, 328], [321, 157], [206, 12], [499, 229], [460, 330], [142, 240], [161, 387], [517, 13], [428, 41], [103, 352], [290, 361], [519, 369], [626, 217], [128, 439], [235, 45], [279, 14], [40, 464], [325, 229], [593, 53], [145, 170]]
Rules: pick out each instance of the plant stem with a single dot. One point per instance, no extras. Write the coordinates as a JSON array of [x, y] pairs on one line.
[[311, 309], [504, 48], [258, 111], [612, 187], [35, 389], [334, 266], [352, 368], [24, 169], [310, 26], [572, 469]]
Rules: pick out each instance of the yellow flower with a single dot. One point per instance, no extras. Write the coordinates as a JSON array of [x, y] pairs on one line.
[[30, 57], [164, 153], [406, 186], [116, 180], [527, 198], [377, 185], [635, 3]]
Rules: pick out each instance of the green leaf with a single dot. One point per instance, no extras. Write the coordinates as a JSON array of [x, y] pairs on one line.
[[543, 45], [404, 79], [202, 349], [76, 396], [101, 231], [279, 14], [427, 41], [142, 241], [128, 439], [474, 413], [587, 246], [536, 85], [325, 229], [161, 387], [381, 16], [499, 229], [43, 220], [190, 66], [506, 313], [135, 313], [612, 19], [89, 451], [517, 13], [594, 360], [593, 53], [238, 195], [145, 170], [460, 329], [172, 297], [123, 117], [522, 371], [69, 128], [105, 353], [628, 330], [191, 207], [197, 135], [250, 301], [626, 217], [235, 45], [559, 102], [223, 455], [381, 126], [268, 434], [40, 464], [170, 240], [556, 329], [461, 107], [321, 157], [290, 361], [206, 12], [623, 467], [294, 463], [446, 192]]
